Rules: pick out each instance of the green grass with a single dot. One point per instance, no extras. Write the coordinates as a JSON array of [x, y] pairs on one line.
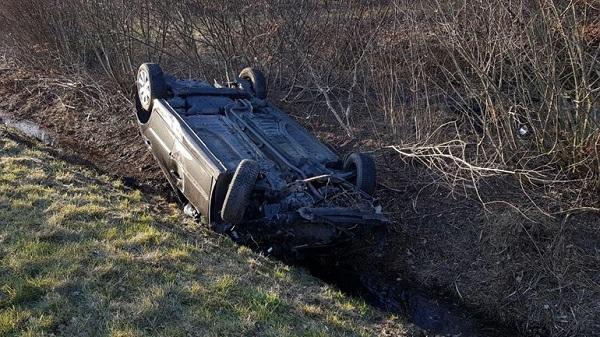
[[81, 255]]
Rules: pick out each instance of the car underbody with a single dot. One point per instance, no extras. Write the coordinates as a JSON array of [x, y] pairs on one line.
[[246, 166]]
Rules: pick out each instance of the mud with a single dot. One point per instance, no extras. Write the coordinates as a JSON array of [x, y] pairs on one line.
[[426, 308], [29, 128]]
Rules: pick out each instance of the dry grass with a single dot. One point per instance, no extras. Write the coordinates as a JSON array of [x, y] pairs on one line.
[[82, 255]]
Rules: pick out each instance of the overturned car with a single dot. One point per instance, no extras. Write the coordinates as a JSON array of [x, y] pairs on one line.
[[242, 163]]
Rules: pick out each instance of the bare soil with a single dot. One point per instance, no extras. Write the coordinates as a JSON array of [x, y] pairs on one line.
[[507, 260], [85, 120]]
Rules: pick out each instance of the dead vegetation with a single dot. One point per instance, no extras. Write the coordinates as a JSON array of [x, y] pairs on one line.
[[517, 83], [497, 100]]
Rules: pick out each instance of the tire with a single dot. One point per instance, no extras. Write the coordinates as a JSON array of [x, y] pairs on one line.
[[257, 81], [238, 194], [364, 166], [151, 85]]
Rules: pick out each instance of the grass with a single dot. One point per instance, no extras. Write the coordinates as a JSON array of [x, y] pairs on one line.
[[82, 255]]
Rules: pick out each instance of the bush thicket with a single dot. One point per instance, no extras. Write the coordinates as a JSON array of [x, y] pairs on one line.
[[511, 86]]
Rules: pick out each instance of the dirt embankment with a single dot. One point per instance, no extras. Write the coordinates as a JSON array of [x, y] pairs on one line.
[[508, 260], [86, 119]]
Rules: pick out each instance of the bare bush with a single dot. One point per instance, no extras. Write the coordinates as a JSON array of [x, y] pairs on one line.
[[516, 81]]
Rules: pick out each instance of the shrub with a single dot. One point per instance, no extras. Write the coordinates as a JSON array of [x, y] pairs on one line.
[[512, 85]]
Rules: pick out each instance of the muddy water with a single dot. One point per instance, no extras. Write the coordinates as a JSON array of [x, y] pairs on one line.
[[436, 314], [28, 128]]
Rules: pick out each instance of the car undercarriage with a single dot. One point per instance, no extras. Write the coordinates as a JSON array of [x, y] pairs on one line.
[[246, 166]]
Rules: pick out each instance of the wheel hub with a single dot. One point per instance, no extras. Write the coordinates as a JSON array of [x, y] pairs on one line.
[[143, 85]]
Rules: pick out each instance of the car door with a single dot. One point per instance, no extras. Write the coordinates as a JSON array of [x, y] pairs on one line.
[[160, 133], [192, 176]]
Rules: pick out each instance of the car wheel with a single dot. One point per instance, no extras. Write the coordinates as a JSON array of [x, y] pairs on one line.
[[363, 165], [240, 189], [257, 81], [150, 85]]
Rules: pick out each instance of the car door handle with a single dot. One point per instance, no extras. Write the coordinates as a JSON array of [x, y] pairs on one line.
[[175, 174]]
